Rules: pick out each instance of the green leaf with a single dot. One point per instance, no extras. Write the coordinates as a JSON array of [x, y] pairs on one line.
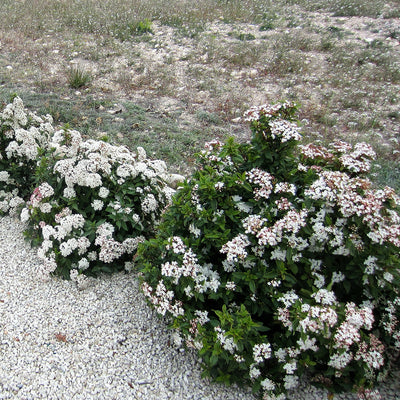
[[294, 268], [347, 285], [213, 359], [252, 286]]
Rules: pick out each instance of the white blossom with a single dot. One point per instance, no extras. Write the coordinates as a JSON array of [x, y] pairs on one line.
[[149, 204], [103, 192], [97, 205]]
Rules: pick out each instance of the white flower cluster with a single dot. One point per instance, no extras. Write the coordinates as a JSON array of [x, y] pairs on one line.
[[349, 331], [325, 297], [162, 299], [227, 342], [235, 248], [284, 130], [314, 152], [204, 278], [255, 112], [372, 353], [264, 182], [340, 360], [149, 204], [4, 177], [312, 319], [10, 201], [359, 160], [202, 317], [25, 140], [14, 114], [262, 352], [110, 249], [176, 245], [353, 160], [340, 190], [59, 237], [210, 153], [285, 227], [25, 133]]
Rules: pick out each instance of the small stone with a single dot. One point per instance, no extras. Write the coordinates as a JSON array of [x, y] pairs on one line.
[[117, 109], [253, 73]]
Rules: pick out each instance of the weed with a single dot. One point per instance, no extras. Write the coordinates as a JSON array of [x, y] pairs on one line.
[[243, 36], [285, 60], [241, 54], [326, 44], [335, 31], [78, 78], [267, 26], [142, 27], [131, 29], [268, 22], [208, 118]]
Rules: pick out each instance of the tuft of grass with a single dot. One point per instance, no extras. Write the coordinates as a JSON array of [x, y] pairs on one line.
[[78, 78], [132, 29], [268, 21], [208, 118], [243, 36], [141, 27]]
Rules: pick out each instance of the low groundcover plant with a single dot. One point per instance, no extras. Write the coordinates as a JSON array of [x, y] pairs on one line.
[[278, 260]]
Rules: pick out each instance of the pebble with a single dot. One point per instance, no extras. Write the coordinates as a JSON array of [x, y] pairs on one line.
[[103, 342]]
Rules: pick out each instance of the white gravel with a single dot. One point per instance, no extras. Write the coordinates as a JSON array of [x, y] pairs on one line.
[[103, 342]]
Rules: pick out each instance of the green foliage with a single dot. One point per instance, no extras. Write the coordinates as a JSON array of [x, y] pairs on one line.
[[208, 118], [132, 29], [244, 37], [78, 78], [142, 27], [276, 260]]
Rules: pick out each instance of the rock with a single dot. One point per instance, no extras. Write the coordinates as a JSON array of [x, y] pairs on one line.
[[174, 180], [117, 109]]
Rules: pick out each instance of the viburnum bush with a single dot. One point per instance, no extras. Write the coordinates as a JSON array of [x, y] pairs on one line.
[[87, 203], [95, 204], [278, 260], [23, 138]]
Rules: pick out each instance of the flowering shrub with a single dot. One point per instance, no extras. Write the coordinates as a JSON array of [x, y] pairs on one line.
[[277, 260], [87, 203], [23, 136], [97, 203]]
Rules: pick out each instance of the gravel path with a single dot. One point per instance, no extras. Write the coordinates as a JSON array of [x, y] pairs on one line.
[[103, 342]]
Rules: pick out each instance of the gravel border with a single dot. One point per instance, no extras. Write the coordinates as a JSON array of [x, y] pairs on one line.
[[102, 342]]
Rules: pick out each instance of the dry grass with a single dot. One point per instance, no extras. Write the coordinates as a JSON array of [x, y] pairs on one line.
[[191, 69]]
